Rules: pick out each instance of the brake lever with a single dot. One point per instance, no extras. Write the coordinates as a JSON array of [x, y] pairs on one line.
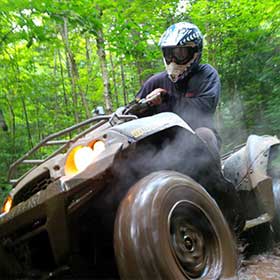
[[137, 107], [140, 106]]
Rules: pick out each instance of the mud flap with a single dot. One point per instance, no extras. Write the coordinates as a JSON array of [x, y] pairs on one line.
[[258, 153]]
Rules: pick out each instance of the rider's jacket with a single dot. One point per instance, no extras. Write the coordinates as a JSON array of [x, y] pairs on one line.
[[194, 98]]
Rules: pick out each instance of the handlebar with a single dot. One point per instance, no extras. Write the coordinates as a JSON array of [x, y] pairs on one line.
[[141, 106]]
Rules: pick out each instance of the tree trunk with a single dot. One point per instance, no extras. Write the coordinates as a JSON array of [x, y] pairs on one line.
[[13, 120], [114, 80], [123, 83], [56, 83], [74, 73], [102, 57], [71, 64], [88, 59], [84, 100], [3, 123], [139, 70], [38, 124], [212, 48], [27, 122], [63, 84]]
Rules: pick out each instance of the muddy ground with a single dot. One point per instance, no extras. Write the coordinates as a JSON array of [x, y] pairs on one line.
[[260, 257], [262, 266]]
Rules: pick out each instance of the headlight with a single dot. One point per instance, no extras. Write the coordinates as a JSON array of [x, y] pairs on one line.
[[82, 156], [7, 205]]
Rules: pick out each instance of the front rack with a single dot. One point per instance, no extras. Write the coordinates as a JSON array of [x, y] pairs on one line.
[[64, 144], [228, 154]]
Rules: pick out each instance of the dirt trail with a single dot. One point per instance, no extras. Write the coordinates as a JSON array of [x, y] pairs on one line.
[[264, 266]]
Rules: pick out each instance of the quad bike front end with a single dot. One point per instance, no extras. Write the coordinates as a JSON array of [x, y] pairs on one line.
[[143, 193]]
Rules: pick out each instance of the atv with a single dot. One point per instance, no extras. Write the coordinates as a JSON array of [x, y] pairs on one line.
[[136, 198]]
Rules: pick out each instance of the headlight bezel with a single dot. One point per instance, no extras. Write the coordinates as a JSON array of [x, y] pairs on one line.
[[71, 167], [7, 205]]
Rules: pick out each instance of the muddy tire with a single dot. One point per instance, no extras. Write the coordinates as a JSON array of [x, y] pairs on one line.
[[168, 227]]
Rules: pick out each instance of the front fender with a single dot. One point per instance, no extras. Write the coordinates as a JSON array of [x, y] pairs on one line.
[[141, 128]]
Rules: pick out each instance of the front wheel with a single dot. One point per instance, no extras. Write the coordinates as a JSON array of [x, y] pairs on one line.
[[169, 227]]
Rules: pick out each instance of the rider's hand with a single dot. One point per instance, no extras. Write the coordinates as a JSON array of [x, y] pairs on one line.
[[154, 97]]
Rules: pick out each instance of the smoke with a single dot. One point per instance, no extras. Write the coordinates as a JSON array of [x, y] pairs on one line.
[[178, 150], [231, 123], [173, 149], [235, 122]]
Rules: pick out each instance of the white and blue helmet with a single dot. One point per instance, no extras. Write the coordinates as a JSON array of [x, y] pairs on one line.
[[181, 45], [182, 34]]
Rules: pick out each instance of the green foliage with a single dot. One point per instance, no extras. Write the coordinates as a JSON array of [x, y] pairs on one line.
[[242, 39]]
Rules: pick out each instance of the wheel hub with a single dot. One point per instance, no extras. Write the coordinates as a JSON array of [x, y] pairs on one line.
[[189, 243], [190, 236]]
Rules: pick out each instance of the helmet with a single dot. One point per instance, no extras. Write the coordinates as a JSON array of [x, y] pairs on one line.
[[181, 45]]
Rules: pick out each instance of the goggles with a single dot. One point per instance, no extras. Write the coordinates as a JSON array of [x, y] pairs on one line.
[[179, 55]]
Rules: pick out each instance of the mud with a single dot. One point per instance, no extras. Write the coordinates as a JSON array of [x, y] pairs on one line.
[[265, 266]]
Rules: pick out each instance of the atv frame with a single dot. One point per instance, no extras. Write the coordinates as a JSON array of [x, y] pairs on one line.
[[153, 204]]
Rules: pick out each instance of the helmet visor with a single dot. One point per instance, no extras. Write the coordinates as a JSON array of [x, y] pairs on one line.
[[179, 55]]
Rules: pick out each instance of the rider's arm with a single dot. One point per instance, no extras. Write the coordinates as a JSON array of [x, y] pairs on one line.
[[204, 91], [149, 85], [152, 87]]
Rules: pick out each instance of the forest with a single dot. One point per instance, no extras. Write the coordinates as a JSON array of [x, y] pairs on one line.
[[60, 59]]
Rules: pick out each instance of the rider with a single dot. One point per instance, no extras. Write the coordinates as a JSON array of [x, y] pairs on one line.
[[192, 89]]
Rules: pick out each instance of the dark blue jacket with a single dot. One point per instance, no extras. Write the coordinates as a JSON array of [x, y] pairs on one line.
[[194, 98]]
